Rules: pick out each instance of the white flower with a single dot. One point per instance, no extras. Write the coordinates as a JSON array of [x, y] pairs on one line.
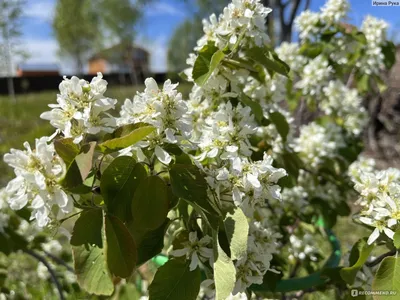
[[165, 110], [314, 76], [196, 250], [379, 227], [54, 247], [316, 142], [38, 173], [81, 108], [334, 10], [307, 24]]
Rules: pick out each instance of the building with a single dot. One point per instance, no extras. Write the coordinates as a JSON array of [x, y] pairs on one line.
[[37, 70], [120, 59]]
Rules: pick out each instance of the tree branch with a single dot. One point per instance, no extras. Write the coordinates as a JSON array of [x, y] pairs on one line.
[[59, 261], [295, 8], [49, 268], [380, 258]]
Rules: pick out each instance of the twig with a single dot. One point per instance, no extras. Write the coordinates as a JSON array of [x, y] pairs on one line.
[[59, 261], [380, 258], [49, 268]]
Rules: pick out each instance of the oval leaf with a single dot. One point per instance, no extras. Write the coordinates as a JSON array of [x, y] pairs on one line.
[[126, 136], [387, 278], [224, 275], [174, 281], [150, 203], [237, 230], [118, 185], [121, 249], [88, 252], [358, 256]]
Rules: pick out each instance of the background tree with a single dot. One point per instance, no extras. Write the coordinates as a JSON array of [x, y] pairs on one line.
[[119, 18], [280, 23], [76, 27], [10, 16], [191, 29]]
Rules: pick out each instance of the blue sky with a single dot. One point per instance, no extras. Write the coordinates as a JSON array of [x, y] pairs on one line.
[[158, 24]]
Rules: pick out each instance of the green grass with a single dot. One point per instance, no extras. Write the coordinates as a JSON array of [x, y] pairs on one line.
[[20, 122]]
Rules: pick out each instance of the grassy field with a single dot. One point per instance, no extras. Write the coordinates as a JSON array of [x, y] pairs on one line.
[[20, 122]]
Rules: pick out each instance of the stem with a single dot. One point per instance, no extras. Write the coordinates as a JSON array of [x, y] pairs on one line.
[[71, 216], [49, 268], [380, 258], [239, 64], [59, 261]]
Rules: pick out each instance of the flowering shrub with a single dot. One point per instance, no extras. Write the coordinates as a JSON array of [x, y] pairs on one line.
[[239, 184]]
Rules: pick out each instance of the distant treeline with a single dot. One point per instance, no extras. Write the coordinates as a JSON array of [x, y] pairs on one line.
[[29, 84]]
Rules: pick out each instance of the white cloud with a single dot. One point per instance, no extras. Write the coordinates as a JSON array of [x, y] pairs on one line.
[[161, 8], [42, 10]]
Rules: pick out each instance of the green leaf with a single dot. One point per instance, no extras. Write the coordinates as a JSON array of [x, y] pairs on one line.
[[118, 185], [87, 229], [150, 203], [312, 50], [255, 107], [387, 278], [224, 275], [126, 136], [121, 249], [174, 281], [396, 239], [88, 251], [237, 230], [358, 256], [79, 168], [188, 183], [269, 60], [128, 291], [66, 149], [389, 52], [152, 243], [207, 61], [91, 270], [85, 159], [281, 124], [363, 83]]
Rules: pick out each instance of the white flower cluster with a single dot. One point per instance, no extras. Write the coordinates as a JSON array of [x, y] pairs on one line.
[[311, 23], [334, 11], [38, 172], [316, 142], [166, 111], [240, 19], [307, 24], [262, 244], [375, 33], [290, 54], [82, 108], [346, 104], [226, 132], [315, 74], [379, 199], [303, 248]]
